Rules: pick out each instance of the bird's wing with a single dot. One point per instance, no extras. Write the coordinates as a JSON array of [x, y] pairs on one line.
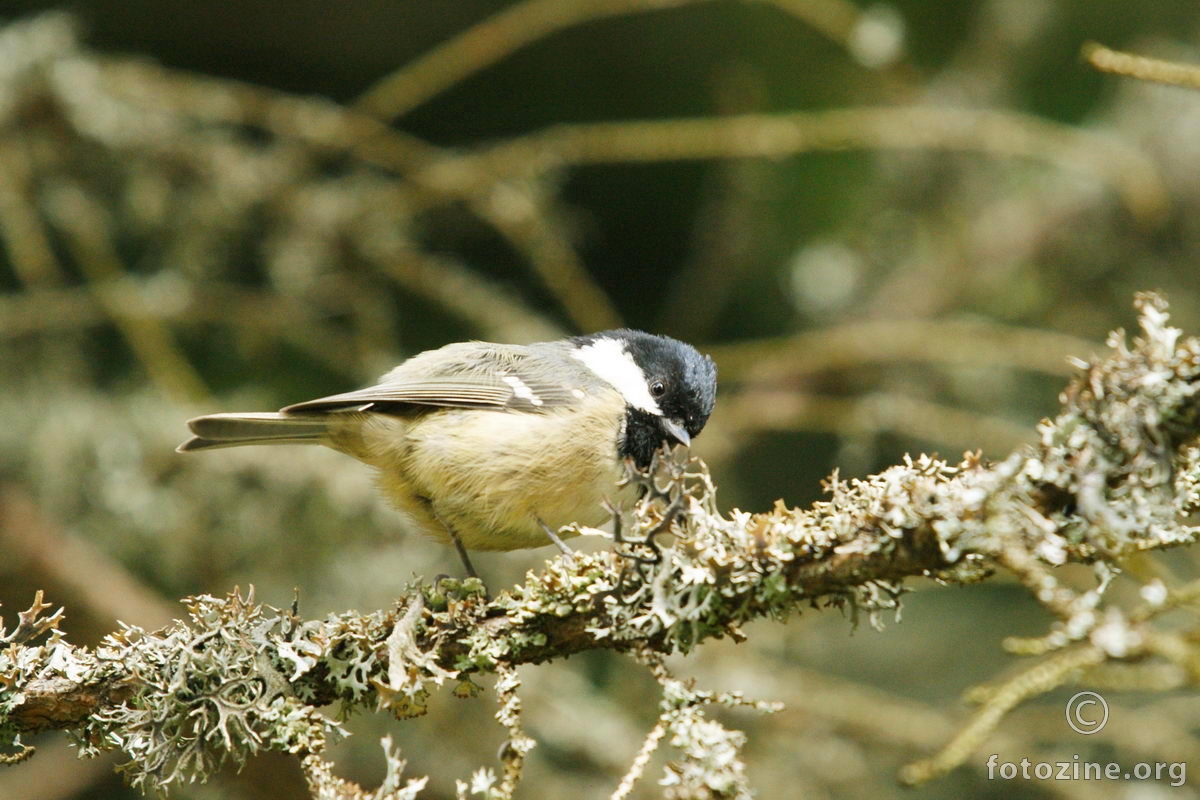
[[502, 379]]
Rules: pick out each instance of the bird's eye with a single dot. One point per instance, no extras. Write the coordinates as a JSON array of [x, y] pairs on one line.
[[658, 388]]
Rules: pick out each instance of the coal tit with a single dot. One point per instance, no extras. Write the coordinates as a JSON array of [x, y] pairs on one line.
[[496, 446]]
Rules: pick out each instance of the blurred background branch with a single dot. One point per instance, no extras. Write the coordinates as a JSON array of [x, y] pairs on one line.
[[1143, 68]]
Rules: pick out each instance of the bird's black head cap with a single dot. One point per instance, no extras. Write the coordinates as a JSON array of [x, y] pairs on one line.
[[680, 390]]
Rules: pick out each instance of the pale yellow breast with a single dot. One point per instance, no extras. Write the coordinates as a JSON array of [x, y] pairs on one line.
[[493, 474]]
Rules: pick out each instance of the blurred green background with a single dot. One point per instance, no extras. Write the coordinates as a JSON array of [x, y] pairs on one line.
[[214, 206]]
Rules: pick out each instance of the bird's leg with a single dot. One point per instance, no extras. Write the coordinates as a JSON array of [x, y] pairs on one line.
[[554, 537], [462, 554], [458, 545]]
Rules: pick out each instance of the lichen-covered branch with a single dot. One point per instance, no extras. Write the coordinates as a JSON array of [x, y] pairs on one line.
[[1114, 474]]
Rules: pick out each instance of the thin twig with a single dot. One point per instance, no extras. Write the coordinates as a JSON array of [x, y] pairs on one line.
[[530, 223], [998, 133], [490, 307], [758, 410], [888, 341], [1038, 679], [526, 22], [1143, 68], [315, 121], [91, 245], [22, 230]]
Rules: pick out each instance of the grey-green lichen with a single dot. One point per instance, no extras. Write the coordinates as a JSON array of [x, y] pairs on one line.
[[206, 690], [20, 662], [325, 785], [710, 763]]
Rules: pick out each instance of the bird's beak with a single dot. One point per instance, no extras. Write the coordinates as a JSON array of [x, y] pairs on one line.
[[679, 433]]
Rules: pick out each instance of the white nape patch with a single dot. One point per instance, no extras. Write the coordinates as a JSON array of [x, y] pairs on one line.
[[578, 394], [521, 390], [609, 359]]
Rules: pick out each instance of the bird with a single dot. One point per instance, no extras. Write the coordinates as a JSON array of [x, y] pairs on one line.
[[491, 446]]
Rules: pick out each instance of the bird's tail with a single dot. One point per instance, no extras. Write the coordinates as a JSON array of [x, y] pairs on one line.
[[235, 430]]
